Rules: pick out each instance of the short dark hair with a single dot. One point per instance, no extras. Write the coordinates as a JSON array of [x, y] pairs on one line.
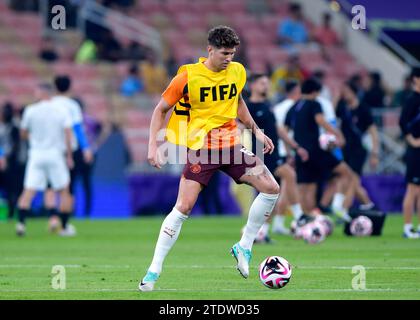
[[290, 86], [415, 72], [311, 85], [352, 86], [62, 83], [318, 74], [133, 69], [326, 16], [294, 7], [255, 76], [223, 37], [376, 77]]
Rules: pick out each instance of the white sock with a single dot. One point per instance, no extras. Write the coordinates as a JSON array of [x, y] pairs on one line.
[[408, 227], [260, 210], [338, 201], [278, 222], [168, 235], [296, 210]]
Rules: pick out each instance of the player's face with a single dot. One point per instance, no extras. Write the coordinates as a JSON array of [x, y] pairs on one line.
[[416, 83], [348, 95], [221, 57], [262, 86]]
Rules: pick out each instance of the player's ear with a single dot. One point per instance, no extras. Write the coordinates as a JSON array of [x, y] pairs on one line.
[[210, 49]]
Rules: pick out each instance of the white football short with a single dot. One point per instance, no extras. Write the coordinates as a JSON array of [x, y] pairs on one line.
[[44, 167]]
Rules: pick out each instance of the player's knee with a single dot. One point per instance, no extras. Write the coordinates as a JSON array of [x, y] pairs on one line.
[[184, 207], [272, 188]]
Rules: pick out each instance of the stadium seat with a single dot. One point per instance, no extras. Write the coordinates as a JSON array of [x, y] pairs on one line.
[[229, 6], [275, 55], [186, 21]]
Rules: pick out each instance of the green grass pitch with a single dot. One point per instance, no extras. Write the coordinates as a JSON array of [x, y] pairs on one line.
[[108, 257]]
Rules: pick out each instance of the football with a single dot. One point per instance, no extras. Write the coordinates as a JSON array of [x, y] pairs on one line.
[[327, 141], [361, 226], [275, 272], [327, 223], [313, 232]]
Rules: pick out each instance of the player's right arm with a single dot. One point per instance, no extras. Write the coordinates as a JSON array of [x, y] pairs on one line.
[[156, 124], [173, 93], [320, 120]]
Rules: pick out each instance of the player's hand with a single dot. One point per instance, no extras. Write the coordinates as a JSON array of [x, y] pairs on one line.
[[340, 141], [88, 155], [268, 145], [3, 163], [374, 161], [414, 142], [303, 154], [266, 141], [291, 160], [70, 162], [154, 157]]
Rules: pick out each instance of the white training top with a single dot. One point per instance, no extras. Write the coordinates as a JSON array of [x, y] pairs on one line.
[[328, 111], [280, 111], [45, 124], [74, 113]]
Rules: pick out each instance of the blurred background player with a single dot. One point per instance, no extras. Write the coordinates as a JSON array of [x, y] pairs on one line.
[[213, 89], [305, 118], [49, 132], [83, 169], [14, 155], [356, 120], [260, 110], [80, 145], [410, 127]]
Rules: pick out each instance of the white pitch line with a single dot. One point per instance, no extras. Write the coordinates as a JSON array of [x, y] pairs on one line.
[[109, 266], [208, 291], [100, 266]]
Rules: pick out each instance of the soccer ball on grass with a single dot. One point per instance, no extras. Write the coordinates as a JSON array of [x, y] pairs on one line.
[[275, 272]]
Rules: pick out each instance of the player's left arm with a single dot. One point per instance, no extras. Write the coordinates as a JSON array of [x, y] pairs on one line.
[[249, 123], [80, 133]]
